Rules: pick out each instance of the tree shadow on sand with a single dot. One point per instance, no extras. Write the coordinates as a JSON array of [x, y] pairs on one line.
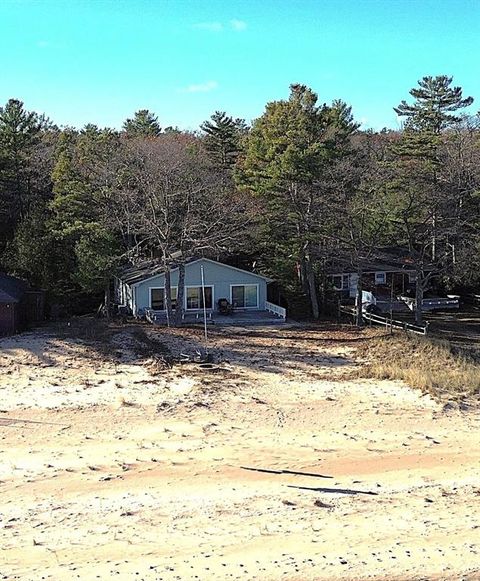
[[274, 350], [335, 490]]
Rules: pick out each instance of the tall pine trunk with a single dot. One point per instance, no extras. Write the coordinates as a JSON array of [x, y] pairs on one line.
[[168, 296], [311, 286], [434, 235], [418, 294], [359, 312], [303, 276], [180, 295], [107, 300]]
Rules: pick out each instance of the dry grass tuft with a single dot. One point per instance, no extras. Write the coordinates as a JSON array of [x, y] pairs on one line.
[[122, 402], [431, 365]]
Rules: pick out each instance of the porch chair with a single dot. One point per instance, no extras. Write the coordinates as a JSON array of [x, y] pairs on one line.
[[224, 307]]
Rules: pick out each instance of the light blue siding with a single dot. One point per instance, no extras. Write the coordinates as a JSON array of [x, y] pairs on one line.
[[219, 276]]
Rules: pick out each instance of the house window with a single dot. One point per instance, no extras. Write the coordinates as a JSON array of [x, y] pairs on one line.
[[245, 295], [337, 282], [341, 281], [157, 298], [194, 295], [380, 278]]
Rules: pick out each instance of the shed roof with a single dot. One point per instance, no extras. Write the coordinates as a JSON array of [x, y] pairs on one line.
[[12, 288], [388, 259]]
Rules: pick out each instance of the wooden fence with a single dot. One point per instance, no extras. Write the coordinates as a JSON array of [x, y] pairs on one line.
[[389, 323]]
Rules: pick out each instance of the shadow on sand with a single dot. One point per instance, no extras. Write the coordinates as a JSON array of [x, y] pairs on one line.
[[335, 490], [294, 472]]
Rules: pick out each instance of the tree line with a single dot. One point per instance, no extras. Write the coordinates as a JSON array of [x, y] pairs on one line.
[[300, 187]]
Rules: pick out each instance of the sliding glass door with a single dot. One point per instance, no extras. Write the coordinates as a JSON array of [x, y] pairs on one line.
[[245, 296]]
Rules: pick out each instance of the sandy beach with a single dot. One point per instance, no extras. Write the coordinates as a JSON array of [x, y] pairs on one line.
[[277, 464]]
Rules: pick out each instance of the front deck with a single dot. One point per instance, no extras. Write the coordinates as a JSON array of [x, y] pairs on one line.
[[240, 318], [434, 303]]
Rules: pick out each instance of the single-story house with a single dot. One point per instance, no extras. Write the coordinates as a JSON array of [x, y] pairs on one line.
[[141, 288], [391, 270], [389, 280], [19, 304]]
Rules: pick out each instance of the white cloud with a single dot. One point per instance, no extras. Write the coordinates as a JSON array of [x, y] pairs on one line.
[[43, 44], [215, 26], [200, 87], [210, 26], [238, 25]]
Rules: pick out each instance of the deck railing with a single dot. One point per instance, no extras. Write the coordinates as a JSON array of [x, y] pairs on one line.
[[276, 310], [433, 303], [154, 316]]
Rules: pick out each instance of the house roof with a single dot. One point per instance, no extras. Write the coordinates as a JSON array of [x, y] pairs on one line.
[[145, 270], [134, 273], [389, 259], [12, 289]]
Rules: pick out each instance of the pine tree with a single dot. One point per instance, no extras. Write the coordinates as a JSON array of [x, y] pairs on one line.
[[88, 247], [20, 132], [434, 105], [222, 139], [33, 251], [144, 124], [425, 207], [288, 159]]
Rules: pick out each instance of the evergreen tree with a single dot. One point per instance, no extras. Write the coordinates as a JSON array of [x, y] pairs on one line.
[[287, 163], [89, 247], [20, 133], [144, 124], [435, 102], [171, 129], [33, 251], [222, 139], [425, 208]]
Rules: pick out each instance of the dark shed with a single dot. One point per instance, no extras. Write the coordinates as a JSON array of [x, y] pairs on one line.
[[19, 304]]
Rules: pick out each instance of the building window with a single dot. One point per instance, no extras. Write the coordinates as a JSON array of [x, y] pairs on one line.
[[157, 298], [337, 282], [194, 296], [380, 278], [245, 295], [341, 281]]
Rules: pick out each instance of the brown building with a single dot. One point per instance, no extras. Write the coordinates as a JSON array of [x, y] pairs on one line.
[[389, 272], [20, 305]]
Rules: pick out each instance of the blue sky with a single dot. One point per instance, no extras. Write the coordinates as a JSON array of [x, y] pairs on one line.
[[99, 61]]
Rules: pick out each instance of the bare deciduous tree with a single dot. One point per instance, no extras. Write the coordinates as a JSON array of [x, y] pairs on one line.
[[174, 199]]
